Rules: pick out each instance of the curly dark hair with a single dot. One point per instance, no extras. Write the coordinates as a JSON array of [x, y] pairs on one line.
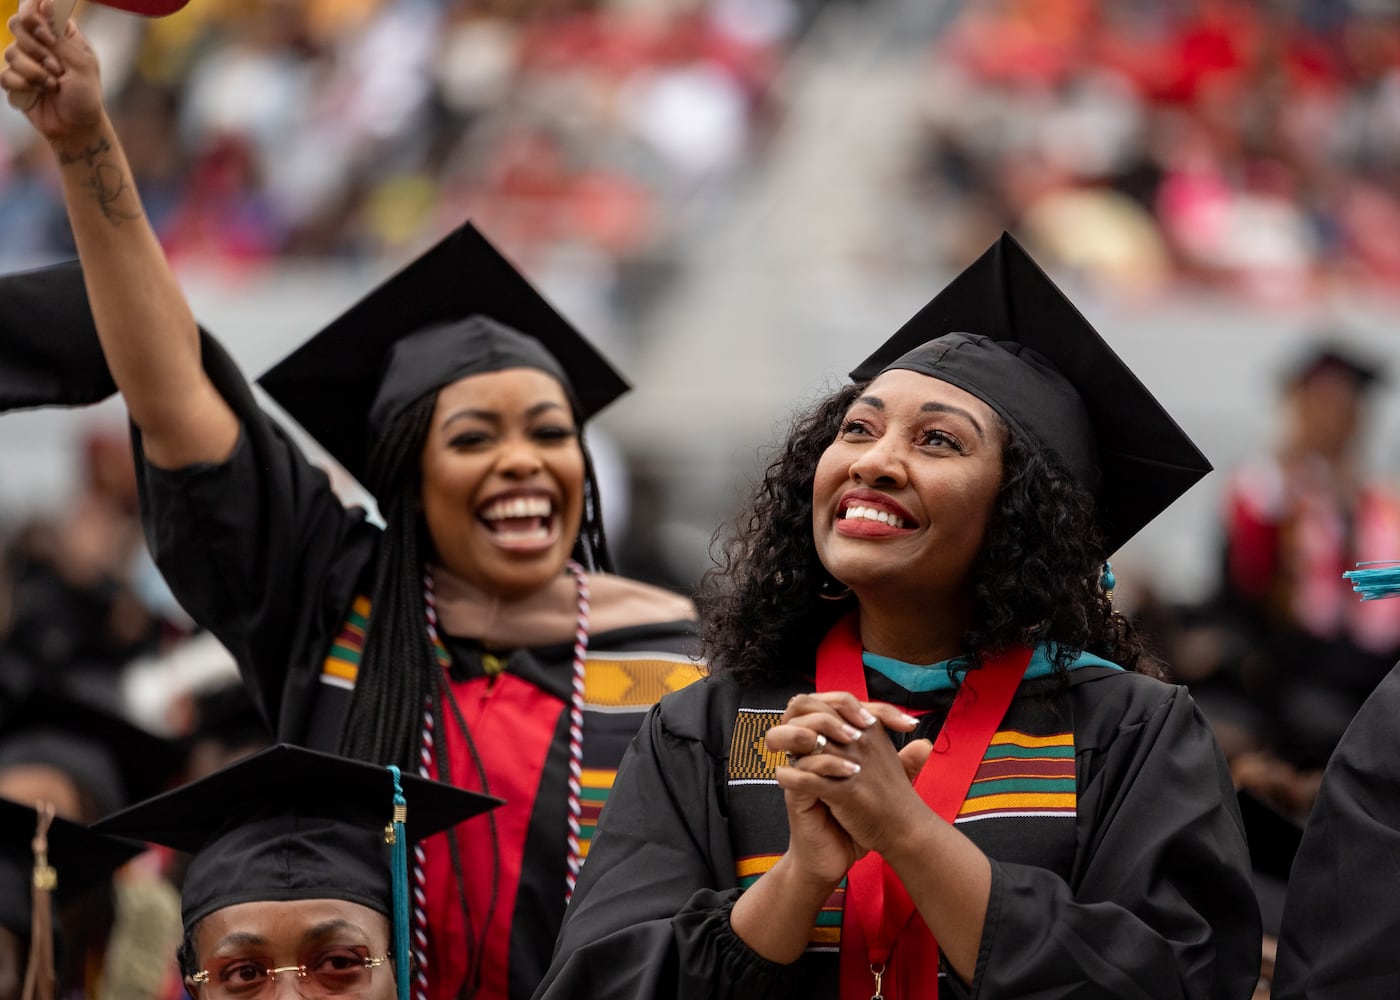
[[1035, 580]]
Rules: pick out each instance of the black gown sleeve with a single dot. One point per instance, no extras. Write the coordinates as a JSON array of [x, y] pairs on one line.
[[649, 919], [1340, 936], [257, 549], [1162, 904]]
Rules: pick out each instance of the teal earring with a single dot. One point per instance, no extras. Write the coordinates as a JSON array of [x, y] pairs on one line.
[[1107, 580]]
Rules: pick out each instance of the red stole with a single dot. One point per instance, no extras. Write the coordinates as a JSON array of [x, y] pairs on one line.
[[884, 913]]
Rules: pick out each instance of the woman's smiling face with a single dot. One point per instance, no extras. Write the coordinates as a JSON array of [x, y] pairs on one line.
[[503, 475], [902, 497]]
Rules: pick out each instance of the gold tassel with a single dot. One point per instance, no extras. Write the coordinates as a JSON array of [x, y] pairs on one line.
[[40, 982]]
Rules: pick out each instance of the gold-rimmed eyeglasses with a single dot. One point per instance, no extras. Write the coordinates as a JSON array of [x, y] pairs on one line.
[[342, 972]]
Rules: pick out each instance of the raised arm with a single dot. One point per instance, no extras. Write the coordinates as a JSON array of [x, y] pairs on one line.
[[148, 332]]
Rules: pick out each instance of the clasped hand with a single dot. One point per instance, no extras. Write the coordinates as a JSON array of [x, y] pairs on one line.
[[847, 789]]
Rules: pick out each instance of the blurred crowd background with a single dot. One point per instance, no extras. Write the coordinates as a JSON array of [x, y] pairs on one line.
[[737, 199], [1245, 144]]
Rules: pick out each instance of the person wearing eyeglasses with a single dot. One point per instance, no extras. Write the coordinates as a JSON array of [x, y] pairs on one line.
[[298, 871]]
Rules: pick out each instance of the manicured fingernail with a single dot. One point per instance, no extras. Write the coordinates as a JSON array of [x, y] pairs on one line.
[[908, 719], [867, 719], [850, 732], [851, 766]]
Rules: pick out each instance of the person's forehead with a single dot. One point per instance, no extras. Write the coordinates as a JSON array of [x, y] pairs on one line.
[[1331, 379], [289, 921], [523, 385], [26, 782], [912, 388]]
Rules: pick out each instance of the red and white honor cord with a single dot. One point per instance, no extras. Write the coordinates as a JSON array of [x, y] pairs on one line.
[[425, 761], [420, 871], [425, 770], [575, 859]]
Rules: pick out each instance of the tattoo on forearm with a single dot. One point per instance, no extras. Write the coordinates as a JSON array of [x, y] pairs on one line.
[[88, 155], [106, 182]]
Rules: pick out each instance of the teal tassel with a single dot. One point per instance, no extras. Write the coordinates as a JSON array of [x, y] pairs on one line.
[[1382, 580], [397, 838]]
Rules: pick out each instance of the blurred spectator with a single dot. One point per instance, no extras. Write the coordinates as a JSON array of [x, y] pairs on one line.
[[31, 928], [28, 197], [76, 591], [225, 727], [367, 129], [1249, 145], [119, 938], [1285, 655], [1260, 142]]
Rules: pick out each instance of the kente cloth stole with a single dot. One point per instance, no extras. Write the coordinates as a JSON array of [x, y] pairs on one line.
[[1021, 807], [342, 663], [618, 684], [885, 913]]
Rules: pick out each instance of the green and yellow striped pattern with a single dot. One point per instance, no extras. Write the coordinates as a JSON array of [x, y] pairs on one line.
[[1024, 775]]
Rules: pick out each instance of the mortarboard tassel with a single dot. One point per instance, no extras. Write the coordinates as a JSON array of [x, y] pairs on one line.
[[1381, 580], [40, 982], [397, 840]]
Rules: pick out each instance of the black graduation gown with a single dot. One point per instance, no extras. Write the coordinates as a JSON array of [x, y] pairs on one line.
[[1140, 888], [259, 550], [1340, 938]]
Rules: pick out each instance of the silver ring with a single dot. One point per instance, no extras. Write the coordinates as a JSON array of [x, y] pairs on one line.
[[821, 744]]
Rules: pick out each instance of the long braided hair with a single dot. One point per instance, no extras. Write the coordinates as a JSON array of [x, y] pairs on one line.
[[398, 672]]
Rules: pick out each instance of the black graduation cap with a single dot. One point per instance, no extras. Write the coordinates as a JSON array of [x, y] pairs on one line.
[[290, 823], [1329, 353], [49, 351], [80, 857], [459, 309], [50, 354], [1004, 332], [114, 760]]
